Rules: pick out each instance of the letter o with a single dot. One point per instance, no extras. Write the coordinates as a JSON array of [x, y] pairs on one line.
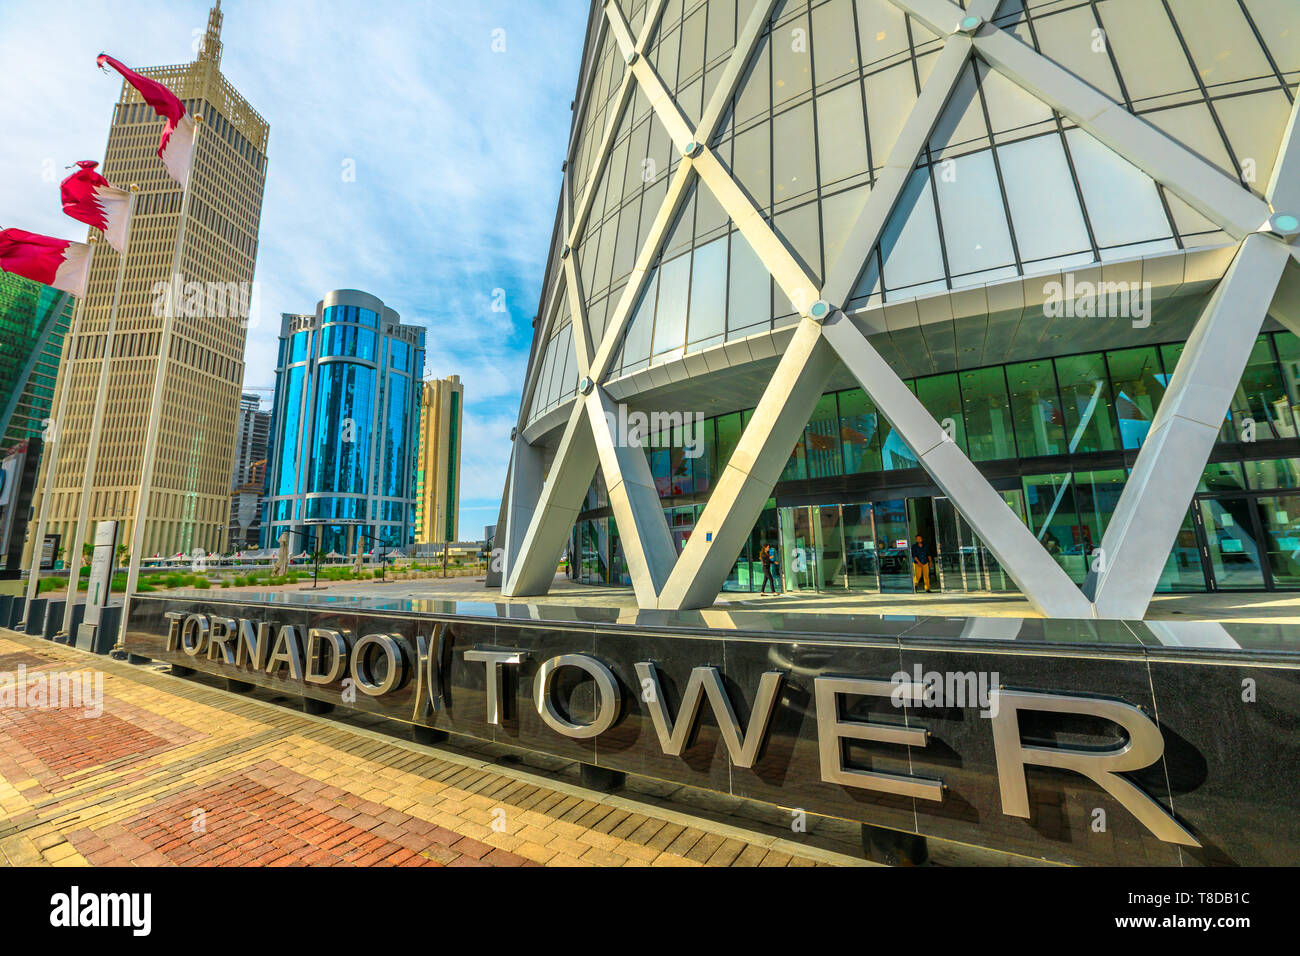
[[196, 627], [610, 697], [396, 664]]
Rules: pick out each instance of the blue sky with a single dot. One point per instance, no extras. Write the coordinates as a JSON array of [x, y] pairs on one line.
[[456, 148]]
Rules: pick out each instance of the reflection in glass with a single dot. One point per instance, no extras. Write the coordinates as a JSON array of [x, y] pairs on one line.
[[1281, 518], [1036, 407], [1086, 394], [1235, 556], [1139, 384]]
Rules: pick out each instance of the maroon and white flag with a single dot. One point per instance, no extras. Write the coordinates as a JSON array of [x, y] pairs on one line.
[[58, 262], [88, 197], [177, 141]]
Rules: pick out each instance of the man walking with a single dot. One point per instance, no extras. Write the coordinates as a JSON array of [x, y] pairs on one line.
[[921, 562]]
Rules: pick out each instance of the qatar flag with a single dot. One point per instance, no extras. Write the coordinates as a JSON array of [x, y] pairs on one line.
[[88, 197], [178, 135], [57, 262]]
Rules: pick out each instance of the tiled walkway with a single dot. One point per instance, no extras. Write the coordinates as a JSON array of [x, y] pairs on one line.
[[176, 773]]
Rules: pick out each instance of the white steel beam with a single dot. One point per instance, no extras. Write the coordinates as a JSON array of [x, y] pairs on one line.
[[647, 544], [556, 509], [742, 490], [1186, 425], [1046, 586]]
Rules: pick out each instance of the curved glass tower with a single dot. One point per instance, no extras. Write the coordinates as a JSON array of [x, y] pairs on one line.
[[1020, 277], [345, 426]]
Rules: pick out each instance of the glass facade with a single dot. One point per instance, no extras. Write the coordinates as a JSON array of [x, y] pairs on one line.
[[346, 416], [1005, 187], [1063, 433], [34, 319]]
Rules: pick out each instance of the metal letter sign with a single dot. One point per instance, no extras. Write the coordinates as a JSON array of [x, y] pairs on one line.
[[811, 720]]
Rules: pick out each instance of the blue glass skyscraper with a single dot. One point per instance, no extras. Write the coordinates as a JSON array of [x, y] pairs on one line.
[[344, 427]]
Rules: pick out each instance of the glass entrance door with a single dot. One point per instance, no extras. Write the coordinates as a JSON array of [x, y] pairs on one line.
[[1252, 542], [798, 550], [830, 561], [1233, 542], [893, 545], [1280, 515], [958, 557], [861, 564]]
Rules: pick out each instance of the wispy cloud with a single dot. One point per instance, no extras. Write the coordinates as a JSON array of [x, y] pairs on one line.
[[456, 146]]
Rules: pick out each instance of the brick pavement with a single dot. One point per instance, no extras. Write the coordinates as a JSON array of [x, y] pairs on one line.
[[177, 773]]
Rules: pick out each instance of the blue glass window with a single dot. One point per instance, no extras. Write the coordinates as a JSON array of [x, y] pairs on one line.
[[344, 412], [397, 439], [399, 356], [301, 347], [336, 509], [348, 341], [287, 480]]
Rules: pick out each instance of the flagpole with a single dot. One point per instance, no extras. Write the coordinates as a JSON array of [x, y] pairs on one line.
[[155, 404], [51, 455], [96, 425]]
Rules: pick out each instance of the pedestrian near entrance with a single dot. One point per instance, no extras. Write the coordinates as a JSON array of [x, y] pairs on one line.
[[770, 567], [922, 561]]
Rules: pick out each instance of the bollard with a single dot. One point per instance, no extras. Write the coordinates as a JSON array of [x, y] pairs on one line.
[[35, 616]]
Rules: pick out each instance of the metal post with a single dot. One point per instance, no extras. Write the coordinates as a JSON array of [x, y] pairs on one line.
[[155, 405], [52, 453], [96, 426]]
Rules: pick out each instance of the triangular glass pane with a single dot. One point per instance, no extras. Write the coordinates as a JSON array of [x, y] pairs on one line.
[[1123, 204]]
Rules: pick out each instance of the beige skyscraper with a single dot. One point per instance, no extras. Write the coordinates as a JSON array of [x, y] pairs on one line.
[[437, 476], [190, 500]]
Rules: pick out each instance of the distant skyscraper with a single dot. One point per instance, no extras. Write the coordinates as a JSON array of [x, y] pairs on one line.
[[190, 501], [344, 427], [437, 477], [250, 473], [34, 320]]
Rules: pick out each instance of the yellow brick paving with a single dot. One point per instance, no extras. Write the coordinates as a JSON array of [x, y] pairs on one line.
[[178, 773]]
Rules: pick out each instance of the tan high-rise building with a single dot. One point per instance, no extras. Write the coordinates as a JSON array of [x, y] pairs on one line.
[[437, 476], [190, 504]]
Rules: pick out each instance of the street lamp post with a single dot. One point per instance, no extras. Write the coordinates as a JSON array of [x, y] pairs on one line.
[[371, 538]]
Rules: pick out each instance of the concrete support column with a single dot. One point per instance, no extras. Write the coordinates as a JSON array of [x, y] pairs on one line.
[[647, 542], [549, 521]]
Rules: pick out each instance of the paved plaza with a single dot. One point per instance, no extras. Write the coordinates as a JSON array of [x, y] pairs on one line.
[[178, 772]]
